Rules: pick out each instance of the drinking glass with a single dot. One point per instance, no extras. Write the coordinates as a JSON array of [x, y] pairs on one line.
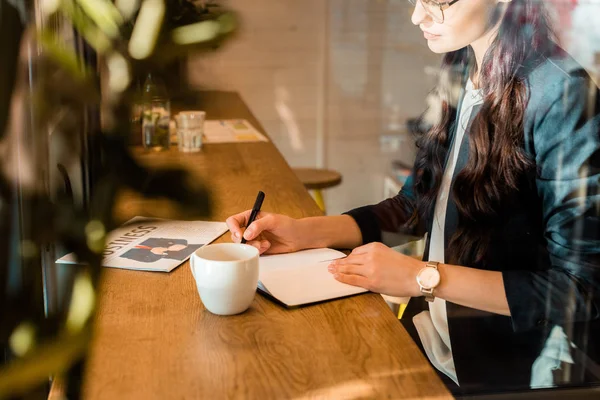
[[190, 128]]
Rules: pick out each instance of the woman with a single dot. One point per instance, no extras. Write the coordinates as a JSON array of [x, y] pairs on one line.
[[505, 183]]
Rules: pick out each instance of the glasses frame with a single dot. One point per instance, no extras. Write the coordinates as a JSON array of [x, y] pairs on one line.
[[443, 5]]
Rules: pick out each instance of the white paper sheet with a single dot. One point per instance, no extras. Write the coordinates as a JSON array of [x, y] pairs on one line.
[[302, 277]]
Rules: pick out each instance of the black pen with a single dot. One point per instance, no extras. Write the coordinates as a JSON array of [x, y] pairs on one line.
[[255, 210]]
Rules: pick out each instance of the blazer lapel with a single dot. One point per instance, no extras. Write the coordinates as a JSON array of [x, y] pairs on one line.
[[451, 221]]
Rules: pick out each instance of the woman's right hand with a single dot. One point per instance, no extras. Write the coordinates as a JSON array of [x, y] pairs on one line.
[[269, 233]]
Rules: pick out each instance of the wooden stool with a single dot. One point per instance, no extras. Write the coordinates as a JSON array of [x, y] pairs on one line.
[[318, 179]]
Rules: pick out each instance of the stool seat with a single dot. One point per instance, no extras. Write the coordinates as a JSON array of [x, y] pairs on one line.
[[316, 178]]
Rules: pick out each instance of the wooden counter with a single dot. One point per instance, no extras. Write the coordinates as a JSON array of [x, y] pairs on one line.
[[155, 340]]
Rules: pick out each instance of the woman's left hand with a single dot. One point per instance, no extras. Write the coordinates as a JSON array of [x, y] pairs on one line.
[[379, 269]]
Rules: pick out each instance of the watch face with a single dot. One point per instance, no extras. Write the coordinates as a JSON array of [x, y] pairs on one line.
[[428, 278]]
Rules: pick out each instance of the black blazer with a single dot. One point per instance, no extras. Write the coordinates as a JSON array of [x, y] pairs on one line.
[[547, 247]]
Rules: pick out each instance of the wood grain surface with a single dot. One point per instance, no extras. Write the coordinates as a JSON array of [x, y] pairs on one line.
[[155, 340]]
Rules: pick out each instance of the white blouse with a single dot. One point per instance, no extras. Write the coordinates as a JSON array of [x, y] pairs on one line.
[[432, 325]]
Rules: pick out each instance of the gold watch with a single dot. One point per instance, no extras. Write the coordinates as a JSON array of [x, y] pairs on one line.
[[428, 279]]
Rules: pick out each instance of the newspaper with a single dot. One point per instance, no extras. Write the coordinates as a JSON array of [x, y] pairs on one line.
[[154, 244]]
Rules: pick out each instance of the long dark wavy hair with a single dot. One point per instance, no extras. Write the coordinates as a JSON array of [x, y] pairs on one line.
[[497, 160]]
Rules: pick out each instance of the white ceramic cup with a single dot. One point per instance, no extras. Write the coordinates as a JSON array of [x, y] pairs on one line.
[[226, 276]]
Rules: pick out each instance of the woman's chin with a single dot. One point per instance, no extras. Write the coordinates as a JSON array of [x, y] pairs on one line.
[[437, 46]]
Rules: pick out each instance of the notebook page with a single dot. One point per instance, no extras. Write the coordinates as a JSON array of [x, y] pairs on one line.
[[302, 277]]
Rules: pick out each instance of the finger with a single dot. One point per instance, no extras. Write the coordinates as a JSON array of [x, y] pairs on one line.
[[354, 269], [265, 245], [365, 248], [255, 243], [260, 224], [354, 280], [261, 245], [351, 259], [235, 238], [235, 223], [360, 250]]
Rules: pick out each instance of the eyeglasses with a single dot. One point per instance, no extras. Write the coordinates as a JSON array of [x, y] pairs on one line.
[[435, 9]]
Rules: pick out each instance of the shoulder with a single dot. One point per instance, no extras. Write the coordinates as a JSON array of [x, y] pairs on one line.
[[559, 95], [548, 68], [562, 119], [551, 79]]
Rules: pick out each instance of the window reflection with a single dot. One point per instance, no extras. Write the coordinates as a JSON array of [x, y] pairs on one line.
[[506, 182]]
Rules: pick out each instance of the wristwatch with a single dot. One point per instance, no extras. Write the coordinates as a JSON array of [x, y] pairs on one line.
[[428, 279]]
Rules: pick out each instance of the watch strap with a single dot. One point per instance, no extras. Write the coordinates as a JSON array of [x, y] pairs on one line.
[[432, 264], [428, 293]]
